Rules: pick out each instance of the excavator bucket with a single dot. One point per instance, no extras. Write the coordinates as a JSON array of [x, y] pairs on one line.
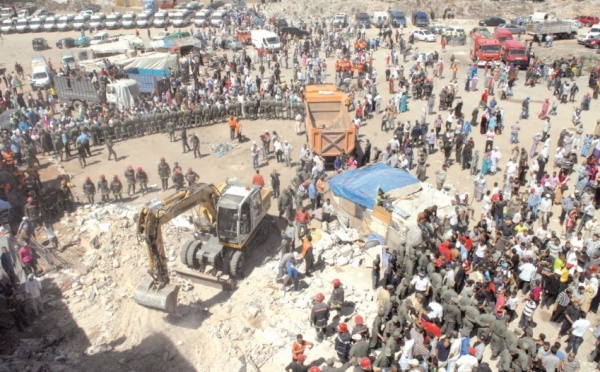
[[164, 299]]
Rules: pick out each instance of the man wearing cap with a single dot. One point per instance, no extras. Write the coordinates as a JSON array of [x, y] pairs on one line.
[[287, 153], [377, 331], [452, 316], [421, 284], [319, 316], [254, 152], [282, 265], [360, 349], [33, 288]]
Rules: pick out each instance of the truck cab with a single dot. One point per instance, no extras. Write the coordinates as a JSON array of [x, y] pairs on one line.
[[363, 19], [182, 18], [420, 19], [100, 38], [161, 19], [36, 25], [8, 26], [380, 19], [201, 18], [68, 59], [50, 24], [144, 20], [128, 20], [113, 21], [502, 34], [340, 20], [22, 25], [7, 13], [485, 50], [265, 39], [397, 18], [514, 52], [216, 19]]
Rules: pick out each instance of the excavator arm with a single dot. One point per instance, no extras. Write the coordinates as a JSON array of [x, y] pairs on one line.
[[156, 291]]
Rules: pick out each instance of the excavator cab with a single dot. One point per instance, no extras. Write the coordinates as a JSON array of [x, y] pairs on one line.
[[231, 220]]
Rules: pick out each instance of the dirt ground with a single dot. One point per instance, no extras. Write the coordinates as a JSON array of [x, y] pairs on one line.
[[213, 329]]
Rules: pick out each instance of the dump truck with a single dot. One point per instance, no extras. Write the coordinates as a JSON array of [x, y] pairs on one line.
[[329, 129], [77, 90], [563, 29], [230, 220]]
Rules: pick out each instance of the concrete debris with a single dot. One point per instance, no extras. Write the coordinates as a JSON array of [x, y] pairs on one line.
[[221, 149]]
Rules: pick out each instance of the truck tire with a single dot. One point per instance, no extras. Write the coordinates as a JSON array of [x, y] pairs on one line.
[[192, 261], [236, 264], [183, 251]]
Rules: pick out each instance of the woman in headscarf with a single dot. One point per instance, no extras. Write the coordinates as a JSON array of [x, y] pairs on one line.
[[483, 126], [403, 104], [474, 116], [544, 112]]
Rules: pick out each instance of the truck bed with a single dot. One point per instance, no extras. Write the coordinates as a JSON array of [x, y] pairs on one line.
[[77, 88], [328, 115]]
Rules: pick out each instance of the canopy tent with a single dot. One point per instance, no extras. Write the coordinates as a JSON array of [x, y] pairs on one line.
[[360, 185], [117, 47], [150, 61], [125, 91]]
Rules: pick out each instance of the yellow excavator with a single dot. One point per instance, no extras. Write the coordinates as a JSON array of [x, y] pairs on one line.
[[230, 220]]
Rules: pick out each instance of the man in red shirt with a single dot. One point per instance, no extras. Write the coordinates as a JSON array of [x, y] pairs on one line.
[[258, 179], [444, 249], [302, 221]]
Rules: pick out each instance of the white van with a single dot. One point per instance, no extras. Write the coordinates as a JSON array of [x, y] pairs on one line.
[[161, 19], [181, 19], [99, 38], [265, 39], [379, 18], [201, 18], [41, 77], [216, 19]]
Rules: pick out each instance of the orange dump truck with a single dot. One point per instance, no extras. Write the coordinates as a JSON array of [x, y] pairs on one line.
[[329, 128]]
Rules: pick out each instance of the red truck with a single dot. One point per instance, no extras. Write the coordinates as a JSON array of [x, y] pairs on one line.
[[502, 34], [514, 52], [485, 50], [168, 4]]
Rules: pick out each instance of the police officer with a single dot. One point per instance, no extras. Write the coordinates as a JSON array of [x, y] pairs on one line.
[[195, 145], [89, 190], [191, 177], [103, 187], [452, 316], [319, 316], [130, 177], [109, 148], [171, 130], [184, 140], [142, 178], [117, 188], [164, 171], [178, 179]]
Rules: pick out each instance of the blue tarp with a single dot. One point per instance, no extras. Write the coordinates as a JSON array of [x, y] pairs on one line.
[[360, 185]]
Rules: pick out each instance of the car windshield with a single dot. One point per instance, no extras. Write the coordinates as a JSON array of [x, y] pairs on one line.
[[40, 75], [490, 48], [128, 16], [517, 52], [96, 18], [227, 220], [36, 22], [178, 16], [426, 32], [22, 21], [7, 22], [143, 17], [111, 18], [272, 40], [160, 16]]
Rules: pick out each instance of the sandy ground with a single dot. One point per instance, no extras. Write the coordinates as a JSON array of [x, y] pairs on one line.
[[197, 348]]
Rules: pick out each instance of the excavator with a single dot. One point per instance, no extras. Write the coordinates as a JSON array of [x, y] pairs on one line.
[[229, 221]]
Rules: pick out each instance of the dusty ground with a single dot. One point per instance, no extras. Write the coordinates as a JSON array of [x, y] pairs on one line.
[[215, 329]]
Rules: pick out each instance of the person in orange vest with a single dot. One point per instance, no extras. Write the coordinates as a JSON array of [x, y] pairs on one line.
[[232, 127], [238, 131]]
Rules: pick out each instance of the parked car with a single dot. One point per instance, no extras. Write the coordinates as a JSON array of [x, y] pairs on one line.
[[514, 29], [65, 42], [363, 19], [295, 31], [481, 30], [65, 23], [39, 43], [492, 21], [194, 5], [89, 8], [593, 43], [587, 21], [281, 22], [424, 35], [161, 35], [231, 44], [80, 23], [22, 25]]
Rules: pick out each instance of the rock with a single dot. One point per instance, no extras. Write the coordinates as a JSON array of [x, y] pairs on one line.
[[356, 262], [346, 250], [180, 343], [252, 312], [342, 261], [122, 360], [116, 264]]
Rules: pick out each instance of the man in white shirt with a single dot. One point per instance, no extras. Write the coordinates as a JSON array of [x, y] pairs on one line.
[[467, 362], [578, 329], [526, 272], [421, 284], [454, 352], [33, 287]]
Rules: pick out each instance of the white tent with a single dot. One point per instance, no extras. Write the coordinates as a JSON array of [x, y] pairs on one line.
[[150, 61], [123, 92], [118, 47]]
